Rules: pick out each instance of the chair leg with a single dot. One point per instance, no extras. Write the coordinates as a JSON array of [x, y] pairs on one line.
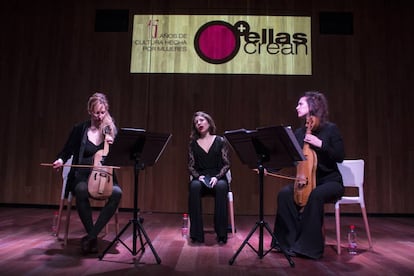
[[68, 211], [231, 210], [59, 217], [364, 215], [323, 230], [106, 229], [338, 231], [116, 222]]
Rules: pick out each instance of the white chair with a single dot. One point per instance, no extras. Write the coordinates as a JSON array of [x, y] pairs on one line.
[[65, 172], [231, 207], [68, 200], [230, 203], [352, 172]]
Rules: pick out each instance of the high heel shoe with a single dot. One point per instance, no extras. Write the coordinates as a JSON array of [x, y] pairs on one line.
[[89, 245], [222, 240], [195, 240]]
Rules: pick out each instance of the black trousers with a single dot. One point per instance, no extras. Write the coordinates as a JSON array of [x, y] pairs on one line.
[[197, 191], [302, 231], [85, 211]]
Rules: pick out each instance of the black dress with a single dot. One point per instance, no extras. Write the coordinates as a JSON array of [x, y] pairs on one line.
[[301, 232]]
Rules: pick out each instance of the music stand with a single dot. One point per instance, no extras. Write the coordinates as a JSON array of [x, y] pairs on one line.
[[138, 148], [275, 147]]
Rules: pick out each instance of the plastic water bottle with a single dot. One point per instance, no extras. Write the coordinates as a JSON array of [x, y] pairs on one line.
[[352, 240], [184, 226], [55, 223]]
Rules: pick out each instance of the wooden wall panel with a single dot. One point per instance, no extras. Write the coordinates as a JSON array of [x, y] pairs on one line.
[[52, 60]]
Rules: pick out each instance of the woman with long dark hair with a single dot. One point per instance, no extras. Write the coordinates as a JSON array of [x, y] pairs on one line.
[[299, 229], [208, 164]]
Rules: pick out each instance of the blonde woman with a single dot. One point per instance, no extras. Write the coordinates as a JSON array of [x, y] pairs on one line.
[[84, 141]]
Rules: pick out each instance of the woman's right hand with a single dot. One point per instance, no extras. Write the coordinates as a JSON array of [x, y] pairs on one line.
[[58, 163], [264, 171]]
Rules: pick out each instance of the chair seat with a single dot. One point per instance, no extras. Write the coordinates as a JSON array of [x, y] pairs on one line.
[[350, 200]]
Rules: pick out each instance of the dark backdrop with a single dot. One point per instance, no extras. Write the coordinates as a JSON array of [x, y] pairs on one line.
[[52, 60]]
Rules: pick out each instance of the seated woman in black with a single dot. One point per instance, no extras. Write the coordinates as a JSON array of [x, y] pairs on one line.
[[84, 141], [299, 231], [208, 163]]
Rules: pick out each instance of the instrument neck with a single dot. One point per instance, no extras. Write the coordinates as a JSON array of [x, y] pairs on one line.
[[106, 145]]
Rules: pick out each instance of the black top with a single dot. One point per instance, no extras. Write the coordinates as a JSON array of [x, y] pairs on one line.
[[214, 163], [331, 152], [82, 150]]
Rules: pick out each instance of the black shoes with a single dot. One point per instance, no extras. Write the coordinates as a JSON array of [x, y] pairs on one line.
[[222, 240], [275, 246], [89, 245], [288, 251], [195, 240]]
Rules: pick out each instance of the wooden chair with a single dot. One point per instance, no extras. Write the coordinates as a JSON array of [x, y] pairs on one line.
[[68, 202], [352, 172]]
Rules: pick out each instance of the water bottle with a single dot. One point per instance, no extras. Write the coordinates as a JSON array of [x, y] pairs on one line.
[[184, 226], [55, 222], [352, 240]]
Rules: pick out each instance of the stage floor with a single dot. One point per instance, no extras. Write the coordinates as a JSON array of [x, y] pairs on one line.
[[27, 247]]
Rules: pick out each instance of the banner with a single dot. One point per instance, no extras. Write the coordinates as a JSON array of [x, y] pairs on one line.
[[222, 44]]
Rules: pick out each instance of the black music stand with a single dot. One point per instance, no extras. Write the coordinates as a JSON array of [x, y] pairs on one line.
[[276, 147], [138, 148]]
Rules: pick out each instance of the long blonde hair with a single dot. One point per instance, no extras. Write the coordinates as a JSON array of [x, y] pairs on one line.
[[108, 124]]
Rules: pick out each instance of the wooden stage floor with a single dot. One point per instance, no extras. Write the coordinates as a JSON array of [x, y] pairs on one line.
[[27, 247]]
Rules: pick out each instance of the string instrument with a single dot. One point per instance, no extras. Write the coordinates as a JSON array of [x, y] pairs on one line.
[[101, 181], [305, 180], [95, 168]]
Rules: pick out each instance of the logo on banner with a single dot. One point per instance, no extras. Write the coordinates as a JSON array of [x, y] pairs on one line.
[[162, 42], [218, 42]]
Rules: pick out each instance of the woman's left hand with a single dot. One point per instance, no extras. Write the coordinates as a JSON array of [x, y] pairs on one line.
[[109, 139], [313, 140], [213, 181]]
